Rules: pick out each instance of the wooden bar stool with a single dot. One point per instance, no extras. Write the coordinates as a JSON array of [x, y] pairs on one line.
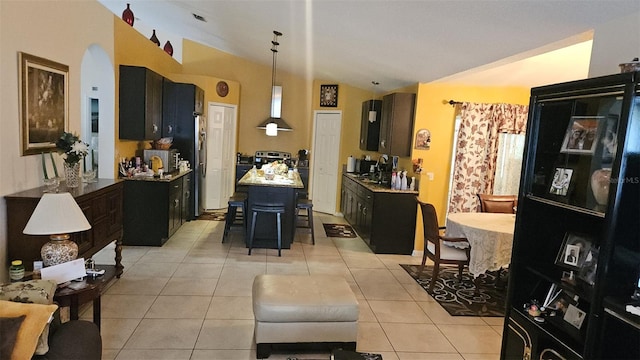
[[277, 209], [237, 201], [307, 218]]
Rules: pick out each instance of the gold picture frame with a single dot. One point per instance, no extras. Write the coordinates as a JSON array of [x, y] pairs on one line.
[[44, 102]]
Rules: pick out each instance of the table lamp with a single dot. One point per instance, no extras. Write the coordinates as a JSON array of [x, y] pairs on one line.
[[57, 215]]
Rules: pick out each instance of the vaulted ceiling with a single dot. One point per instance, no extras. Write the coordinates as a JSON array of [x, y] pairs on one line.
[[397, 42]]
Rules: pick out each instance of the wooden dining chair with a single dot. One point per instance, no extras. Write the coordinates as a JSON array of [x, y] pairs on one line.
[[436, 250], [498, 203]]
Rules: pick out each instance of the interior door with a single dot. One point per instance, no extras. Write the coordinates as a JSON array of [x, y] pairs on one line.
[[326, 163], [219, 176]]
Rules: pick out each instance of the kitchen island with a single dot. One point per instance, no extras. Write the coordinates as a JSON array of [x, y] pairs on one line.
[[280, 190]]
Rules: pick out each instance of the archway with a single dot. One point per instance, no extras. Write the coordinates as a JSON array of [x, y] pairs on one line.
[[97, 109]]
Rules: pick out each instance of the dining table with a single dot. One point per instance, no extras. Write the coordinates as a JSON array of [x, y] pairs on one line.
[[490, 236]]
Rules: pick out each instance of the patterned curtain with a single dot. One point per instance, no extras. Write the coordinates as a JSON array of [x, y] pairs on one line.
[[477, 149]]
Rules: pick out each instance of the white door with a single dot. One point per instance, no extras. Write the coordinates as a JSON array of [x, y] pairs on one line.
[[326, 162], [218, 175]]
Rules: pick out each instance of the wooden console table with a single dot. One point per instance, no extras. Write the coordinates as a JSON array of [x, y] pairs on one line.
[[101, 203]]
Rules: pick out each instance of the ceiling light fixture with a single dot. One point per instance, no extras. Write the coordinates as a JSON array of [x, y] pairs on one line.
[[275, 123], [199, 17]]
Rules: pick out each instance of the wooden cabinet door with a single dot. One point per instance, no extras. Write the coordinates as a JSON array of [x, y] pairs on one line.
[[396, 128], [168, 108], [175, 205], [140, 114], [153, 121]]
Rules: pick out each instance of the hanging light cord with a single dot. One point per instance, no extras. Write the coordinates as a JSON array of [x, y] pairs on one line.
[[274, 50], [375, 83]]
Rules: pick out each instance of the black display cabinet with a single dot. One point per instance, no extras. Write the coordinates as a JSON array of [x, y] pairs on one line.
[[576, 245]]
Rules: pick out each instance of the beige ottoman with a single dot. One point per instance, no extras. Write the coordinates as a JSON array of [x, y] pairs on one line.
[[300, 309]]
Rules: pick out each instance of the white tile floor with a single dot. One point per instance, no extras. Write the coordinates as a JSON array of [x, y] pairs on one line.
[[191, 299]]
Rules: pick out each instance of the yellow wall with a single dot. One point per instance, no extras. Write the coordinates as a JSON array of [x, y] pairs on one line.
[[54, 30], [434, 114], [255, 95]]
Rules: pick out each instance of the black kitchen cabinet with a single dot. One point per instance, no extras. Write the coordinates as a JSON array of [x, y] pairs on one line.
[[370, 130], [593, 211], [242, 169], [154, 209], [385, 219], [169, 108], [396, 126], [140, 103]]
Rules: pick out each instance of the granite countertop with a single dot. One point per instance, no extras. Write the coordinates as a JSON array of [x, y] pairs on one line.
[[165, 178], [278, 180], [375, 187]]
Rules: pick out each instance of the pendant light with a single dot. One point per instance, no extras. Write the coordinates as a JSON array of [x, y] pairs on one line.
[[372, 111], [275, 123], [272, 127]]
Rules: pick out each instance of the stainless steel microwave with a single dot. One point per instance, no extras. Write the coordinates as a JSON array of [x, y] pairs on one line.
[[168, 158]]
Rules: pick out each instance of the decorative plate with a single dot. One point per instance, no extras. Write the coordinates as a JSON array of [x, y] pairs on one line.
[[222, 88]]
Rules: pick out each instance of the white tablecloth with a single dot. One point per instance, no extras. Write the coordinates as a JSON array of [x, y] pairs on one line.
[[490, 236]]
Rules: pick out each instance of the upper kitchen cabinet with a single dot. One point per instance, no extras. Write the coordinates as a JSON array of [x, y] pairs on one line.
[[396, 124], [370, 126], [169, 108], [140, 103]]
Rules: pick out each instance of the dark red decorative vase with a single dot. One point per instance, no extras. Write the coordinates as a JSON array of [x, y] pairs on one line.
[[168, 48], [127, 16], [154, 38]]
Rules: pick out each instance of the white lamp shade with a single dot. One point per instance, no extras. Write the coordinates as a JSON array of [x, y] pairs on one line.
[[372, 115], [56, 214], [272, 129]]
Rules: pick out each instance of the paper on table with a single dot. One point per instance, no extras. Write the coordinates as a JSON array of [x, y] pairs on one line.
[[64, 272]]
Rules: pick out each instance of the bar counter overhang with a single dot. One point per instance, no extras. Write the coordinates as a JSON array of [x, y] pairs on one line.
[[281, 190]]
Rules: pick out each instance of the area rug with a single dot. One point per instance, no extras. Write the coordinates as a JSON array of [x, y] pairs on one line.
[[339, 230], [460, 298], [213, 215]]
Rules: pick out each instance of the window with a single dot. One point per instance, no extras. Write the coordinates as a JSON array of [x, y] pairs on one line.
[[508, 164]]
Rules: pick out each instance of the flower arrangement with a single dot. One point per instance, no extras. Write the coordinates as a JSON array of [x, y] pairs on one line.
[[73, 149]]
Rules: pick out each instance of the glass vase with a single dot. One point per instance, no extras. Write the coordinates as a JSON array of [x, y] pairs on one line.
[[72, 174]]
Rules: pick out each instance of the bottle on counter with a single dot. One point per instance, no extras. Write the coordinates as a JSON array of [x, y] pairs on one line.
[[403, 185], [393, 180], [412, 186], [16, 270]]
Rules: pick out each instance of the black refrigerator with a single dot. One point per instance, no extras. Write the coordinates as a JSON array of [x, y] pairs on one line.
[[183, 106]]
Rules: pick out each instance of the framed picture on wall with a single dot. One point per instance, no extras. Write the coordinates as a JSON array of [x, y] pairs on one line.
[[329, 95], [44, 103]]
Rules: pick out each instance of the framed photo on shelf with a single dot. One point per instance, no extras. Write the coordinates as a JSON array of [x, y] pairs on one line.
[[582, 135], [561, 181], [329, 95], [574, 316], [44, 102], [588, 270], [574, 251]]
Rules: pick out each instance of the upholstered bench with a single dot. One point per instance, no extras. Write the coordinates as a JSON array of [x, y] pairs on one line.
[[300, 310]]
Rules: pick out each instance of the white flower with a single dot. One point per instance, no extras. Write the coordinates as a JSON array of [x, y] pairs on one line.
[[79, 148]]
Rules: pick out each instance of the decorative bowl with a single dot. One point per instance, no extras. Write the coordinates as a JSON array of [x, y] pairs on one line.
[[632, 66]]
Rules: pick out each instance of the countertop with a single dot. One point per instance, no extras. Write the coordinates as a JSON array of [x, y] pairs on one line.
[[278, 180], [375, 187], [165, 178]]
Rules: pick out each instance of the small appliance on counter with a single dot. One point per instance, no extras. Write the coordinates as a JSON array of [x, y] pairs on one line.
[[168, 158], [364, 166]]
